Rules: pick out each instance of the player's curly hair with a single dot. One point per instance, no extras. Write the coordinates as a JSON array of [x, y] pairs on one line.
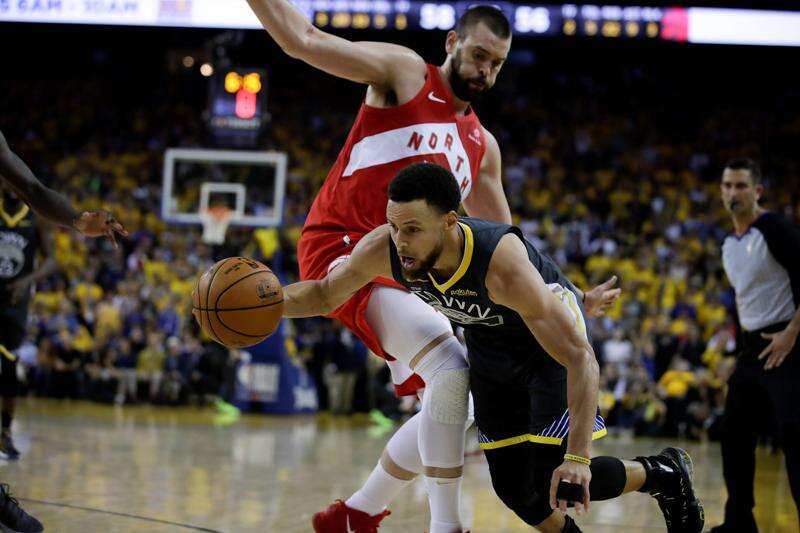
[[426, 181]]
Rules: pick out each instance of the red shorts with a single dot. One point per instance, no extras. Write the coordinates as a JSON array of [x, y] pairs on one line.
[[320, 251]]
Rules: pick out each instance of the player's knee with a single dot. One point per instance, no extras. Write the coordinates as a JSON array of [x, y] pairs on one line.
[[532, 508], [447, 396], [608, 478]]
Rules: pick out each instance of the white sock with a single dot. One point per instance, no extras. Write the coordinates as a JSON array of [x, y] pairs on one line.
[[378, 491], [444, 495]]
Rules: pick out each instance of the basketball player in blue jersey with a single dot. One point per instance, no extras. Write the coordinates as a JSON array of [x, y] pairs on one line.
[[54, 207], [533, 374]]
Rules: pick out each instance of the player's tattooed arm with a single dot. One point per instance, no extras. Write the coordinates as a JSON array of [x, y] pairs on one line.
[[370, 259], [487, 199], [381, 65], [514, 282]]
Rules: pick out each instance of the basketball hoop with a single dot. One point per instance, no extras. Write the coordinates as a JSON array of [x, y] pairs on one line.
[[215, 223]]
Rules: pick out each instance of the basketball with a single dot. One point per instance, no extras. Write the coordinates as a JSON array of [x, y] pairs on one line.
[[238, 302]]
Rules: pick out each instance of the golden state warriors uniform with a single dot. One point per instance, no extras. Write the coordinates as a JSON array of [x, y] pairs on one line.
[[19, 242], [519, 391]]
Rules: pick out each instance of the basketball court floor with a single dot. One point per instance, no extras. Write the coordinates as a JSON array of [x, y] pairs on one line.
[[93, 468]]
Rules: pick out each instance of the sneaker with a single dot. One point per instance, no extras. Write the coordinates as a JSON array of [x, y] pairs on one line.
[[339, 518], [669, 481], [13, 518], [7, 447]]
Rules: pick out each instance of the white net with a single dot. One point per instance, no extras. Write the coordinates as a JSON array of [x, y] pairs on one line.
[[215, 223]]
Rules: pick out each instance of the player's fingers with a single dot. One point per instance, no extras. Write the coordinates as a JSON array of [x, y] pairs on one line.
[[768, 335], [765, 351], [119, 228], [586, 496], [553, 488], [609, 282], [613, 293], [775, 360], [110, 235]]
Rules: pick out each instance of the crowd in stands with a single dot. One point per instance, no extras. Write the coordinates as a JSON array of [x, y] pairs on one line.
[[610, 173]]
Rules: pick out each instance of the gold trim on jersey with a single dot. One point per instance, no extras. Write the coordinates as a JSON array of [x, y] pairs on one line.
[[13, 221], [539, 439], [7, 353], [465, 261]]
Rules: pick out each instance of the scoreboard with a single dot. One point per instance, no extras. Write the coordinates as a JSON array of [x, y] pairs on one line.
[[526, 19], [683, 24]]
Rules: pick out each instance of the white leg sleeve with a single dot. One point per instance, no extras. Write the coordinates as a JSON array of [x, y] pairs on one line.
[[405, 325], [403, 447]]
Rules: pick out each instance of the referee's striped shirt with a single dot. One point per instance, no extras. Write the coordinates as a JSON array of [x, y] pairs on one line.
[[763, 265]]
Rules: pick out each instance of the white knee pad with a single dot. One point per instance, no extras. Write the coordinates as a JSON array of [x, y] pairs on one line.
[[444, 407], [447, 396]]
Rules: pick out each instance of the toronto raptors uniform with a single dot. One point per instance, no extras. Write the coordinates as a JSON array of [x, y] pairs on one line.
[[352, 201]]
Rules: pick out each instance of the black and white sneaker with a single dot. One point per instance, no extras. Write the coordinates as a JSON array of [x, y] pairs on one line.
[[7, 448], [13, 518], [669, 481]]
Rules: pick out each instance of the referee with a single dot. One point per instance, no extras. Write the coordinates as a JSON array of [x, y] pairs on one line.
[[762, 261]]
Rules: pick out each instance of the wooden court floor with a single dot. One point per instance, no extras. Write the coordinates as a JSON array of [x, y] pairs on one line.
[[92, 468]]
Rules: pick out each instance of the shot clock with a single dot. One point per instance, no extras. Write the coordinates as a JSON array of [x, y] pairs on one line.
[[237, 104]]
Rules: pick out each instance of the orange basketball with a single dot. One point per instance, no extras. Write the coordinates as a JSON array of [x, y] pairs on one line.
[[238, 302]]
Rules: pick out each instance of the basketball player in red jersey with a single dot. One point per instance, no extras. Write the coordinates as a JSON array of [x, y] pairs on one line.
[[412, 112]]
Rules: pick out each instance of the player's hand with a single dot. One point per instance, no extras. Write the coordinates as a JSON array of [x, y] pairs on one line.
[[781, 344], [18, 288], [100, 224], [571, 472], [599, 299]]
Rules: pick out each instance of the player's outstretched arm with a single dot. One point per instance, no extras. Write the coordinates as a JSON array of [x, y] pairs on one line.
[[376, 64], [50, 204], [514, 282], [46, 202], [370, 259]]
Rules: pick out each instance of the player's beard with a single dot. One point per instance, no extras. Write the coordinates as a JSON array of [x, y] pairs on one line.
[[425, 265], [460, 86]]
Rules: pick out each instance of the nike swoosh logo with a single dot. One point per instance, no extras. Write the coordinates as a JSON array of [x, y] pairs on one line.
[[348, 526], [435, 98]]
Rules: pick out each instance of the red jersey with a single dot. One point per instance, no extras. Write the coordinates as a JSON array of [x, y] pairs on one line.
[[352, 201], [353, 198]]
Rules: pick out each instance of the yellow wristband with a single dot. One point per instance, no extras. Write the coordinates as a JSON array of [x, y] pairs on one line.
[[578, 459]]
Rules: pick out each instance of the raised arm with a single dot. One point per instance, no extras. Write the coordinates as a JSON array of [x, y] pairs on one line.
[[514, 282], [370, 259], [487, 199], [377, 64]]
